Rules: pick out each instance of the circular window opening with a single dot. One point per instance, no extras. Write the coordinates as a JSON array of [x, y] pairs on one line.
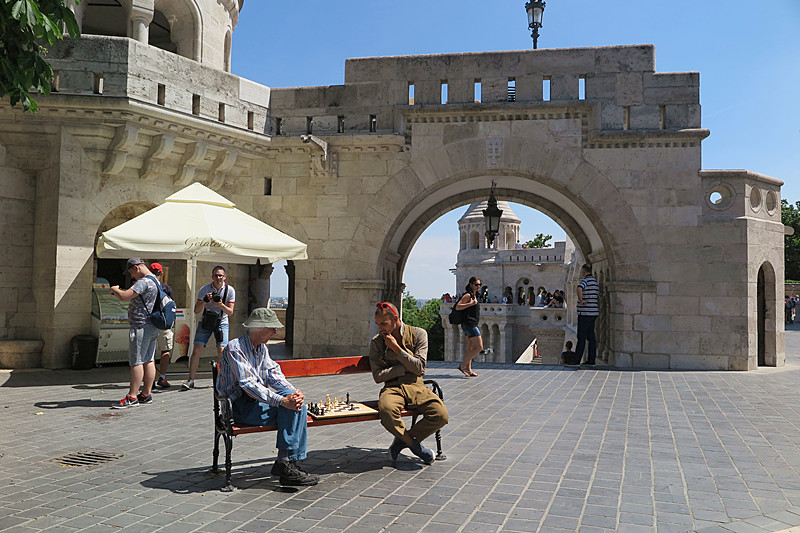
[[558, 317], [720, 196], [755, 199], [544, 318], [772, 202]]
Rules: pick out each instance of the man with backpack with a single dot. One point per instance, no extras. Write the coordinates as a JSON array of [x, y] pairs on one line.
[[143, 334]]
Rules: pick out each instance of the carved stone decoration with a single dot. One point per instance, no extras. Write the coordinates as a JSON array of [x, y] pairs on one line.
[[194, 155], [124, 140], [160, 149], [224, 162], [494, 152], [322, 167]]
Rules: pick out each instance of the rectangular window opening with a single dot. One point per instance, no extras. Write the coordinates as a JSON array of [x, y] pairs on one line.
[[278, 126], [626, 118], [373, 123], [309, 125], [56, 82], [98, 83], [662, 117], [267, 186], [161, 96], [221, 115], [340, 124], [251, 120], [195, 104], [546, 89], [411, 93], [477, 91], [444, 91], [582, 88], [512, 90]]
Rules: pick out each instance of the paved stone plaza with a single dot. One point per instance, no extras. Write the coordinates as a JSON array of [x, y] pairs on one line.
[[529, 449]]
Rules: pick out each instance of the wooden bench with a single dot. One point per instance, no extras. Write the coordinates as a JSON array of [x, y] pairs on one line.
[[226, 428]]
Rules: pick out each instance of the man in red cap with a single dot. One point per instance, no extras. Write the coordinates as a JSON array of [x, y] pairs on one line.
[[164, 342]]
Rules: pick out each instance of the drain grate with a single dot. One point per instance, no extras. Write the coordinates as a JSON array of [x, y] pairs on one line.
[[86, 458]]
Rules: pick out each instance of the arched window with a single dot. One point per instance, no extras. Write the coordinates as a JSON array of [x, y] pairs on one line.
[[227, 57], [475, 241], [463, 240], [160, 34]]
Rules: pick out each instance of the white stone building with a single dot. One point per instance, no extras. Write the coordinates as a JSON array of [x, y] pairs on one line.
[[689, 260]]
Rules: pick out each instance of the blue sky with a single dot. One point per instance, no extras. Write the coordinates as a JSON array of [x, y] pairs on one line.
[[747, 53]]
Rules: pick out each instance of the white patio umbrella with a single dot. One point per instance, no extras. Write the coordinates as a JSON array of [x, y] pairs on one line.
[[197, 223]]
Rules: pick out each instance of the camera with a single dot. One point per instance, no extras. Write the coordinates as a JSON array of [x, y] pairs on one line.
[[214, 296]]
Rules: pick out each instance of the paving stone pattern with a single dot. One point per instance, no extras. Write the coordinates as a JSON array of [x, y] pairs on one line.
[[529, 448]]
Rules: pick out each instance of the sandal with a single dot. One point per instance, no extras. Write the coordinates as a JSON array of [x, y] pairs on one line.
[[473, 374], [466, 373]]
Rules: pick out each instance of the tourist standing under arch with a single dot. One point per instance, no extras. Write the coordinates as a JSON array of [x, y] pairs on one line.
[[588, 310], [472, 315]]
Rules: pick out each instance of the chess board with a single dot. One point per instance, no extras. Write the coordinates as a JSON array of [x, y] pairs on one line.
[[342, 410]]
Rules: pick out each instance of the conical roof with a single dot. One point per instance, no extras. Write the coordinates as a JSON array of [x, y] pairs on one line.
[[475, 211]]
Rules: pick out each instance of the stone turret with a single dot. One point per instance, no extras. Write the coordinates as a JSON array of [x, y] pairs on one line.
[[471, 227], [197, 29]]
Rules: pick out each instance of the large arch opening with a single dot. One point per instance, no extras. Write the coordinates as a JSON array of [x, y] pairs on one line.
[[514, 323]]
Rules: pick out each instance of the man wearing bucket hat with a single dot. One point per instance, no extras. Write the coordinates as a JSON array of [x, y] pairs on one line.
[[262, 396]]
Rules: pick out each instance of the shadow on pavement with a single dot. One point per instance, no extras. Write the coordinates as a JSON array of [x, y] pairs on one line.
[[255, 474]]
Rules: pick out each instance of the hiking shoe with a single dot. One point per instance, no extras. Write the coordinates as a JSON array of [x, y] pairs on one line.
[[162, 383], [188, 384], [126, 402], [423, 452], [395, 449], [292, 475], [144, 399]]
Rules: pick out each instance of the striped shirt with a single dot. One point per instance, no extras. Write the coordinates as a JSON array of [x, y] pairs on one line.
[[591, 293], [250, 370]]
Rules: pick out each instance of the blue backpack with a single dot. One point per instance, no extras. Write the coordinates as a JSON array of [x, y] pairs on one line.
[[162, 315]]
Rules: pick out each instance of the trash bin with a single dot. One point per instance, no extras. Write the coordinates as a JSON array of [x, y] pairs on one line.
[[84, 351]]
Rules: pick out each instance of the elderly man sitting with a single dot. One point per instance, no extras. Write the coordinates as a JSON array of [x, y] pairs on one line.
[[262, 396]]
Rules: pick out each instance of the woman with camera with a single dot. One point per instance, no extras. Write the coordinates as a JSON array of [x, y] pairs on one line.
[[216, 301]]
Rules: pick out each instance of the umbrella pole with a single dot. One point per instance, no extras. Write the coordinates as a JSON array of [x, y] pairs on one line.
[[190, 307]]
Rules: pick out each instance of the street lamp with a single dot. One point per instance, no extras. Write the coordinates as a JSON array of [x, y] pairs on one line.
[[492, 217], [535, 11]]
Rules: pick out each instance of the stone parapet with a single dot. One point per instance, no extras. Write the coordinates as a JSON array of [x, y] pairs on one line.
[[620, 80], [103, 66]]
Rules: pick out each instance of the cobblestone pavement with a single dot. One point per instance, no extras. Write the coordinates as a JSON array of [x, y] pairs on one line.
[[529, 448]]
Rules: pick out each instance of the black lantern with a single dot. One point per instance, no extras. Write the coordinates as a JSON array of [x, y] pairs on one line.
[[492, 217], [535, 11]]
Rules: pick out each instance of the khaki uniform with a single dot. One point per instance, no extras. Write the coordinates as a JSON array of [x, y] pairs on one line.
[[402, 376]]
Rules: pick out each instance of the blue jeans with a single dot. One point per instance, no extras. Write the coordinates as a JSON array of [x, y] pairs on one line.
[[586, 333], [292, 429]]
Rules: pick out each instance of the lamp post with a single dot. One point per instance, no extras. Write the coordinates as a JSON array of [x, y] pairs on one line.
[[492, 217], [535, 11]]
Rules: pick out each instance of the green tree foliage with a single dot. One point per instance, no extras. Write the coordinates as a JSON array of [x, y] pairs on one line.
[[26, 26], [426, 317], [790, 216], [540, 241]]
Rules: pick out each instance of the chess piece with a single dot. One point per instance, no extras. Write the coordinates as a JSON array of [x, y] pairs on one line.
[[348, 398]]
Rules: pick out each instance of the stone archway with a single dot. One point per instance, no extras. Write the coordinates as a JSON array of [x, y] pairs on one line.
[[767, 315]]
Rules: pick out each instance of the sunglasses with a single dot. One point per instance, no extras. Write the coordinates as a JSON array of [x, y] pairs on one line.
[[384, 305]]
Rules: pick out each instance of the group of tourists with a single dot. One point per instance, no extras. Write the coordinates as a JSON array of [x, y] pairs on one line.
[[261, 394], [790, 306]]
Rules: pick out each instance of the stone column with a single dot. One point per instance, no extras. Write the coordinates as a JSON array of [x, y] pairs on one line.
[[139, 18]]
